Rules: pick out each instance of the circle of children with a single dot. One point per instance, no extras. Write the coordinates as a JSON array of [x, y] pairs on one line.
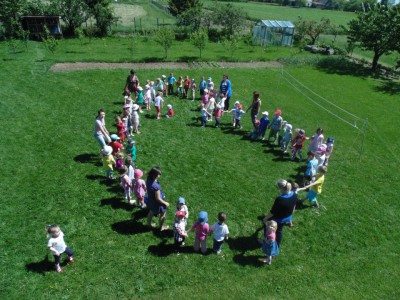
[[148, 194]]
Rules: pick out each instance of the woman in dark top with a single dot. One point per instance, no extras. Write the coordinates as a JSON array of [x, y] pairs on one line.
[[155, 198], [132, 82], [255, 107], [283, 207], [226, 88]]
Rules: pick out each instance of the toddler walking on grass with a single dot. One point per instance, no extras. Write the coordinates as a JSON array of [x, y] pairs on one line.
[[57, 246], [221, 232], [315, 187]]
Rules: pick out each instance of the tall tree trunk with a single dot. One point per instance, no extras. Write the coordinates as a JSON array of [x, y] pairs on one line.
[[377, 55]]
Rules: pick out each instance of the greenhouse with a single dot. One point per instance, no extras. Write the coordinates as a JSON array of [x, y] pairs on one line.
[[271, 32]]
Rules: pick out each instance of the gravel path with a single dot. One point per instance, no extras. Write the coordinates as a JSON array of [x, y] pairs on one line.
[[163, 65]]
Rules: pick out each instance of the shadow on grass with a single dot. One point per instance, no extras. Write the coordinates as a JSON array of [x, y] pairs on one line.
[[150, 116], [248, 260], [299, 176], [153, 59], [245, 243], [102, 179], [88, 158], [129, 227], [186, 58], [164, 249], [41, 267], [118, 103], [389, 87], [343, 66], [116, 203]]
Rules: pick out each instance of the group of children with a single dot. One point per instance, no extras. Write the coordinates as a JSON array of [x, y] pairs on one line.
[[120, 156]]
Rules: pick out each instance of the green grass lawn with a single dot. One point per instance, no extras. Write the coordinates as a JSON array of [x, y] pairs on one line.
[[348, 249], [263, 11]]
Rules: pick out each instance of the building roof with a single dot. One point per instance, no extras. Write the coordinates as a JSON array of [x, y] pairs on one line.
[[274, 23]]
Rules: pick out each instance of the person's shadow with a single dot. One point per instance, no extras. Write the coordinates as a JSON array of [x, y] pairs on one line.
[[41, 267], [88, 158]]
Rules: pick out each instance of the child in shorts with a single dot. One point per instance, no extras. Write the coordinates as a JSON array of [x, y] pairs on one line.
[[315, 187], [221, 232]]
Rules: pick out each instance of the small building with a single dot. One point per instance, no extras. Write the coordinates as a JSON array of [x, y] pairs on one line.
[[271, 32], [36, 24]]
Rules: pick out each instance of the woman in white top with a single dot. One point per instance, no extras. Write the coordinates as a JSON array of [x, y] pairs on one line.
[[101, 133]]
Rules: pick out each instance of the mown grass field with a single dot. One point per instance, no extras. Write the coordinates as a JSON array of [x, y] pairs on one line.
[[346, 249]]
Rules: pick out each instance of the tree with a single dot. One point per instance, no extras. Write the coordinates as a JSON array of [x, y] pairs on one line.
[[103, 13], [199, 39], [230, 18], [164, 37], [177, 7], [73, 13], [9, 16], [311, 30], [377, 30]]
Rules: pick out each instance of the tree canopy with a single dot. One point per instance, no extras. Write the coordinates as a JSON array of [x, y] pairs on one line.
[[377, 30]]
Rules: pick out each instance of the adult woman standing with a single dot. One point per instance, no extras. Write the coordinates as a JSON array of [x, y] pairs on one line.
[[132, 82], [283, 207], [255, 107], [101, 133], [226, 88], [155, 198]]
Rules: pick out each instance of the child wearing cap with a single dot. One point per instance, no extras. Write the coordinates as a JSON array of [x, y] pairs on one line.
[[287, 138], [221, 232], [275, 126], [264, 122], [210, 85], [135, 118], [131, 150], [181, 206], [202, 231], [125, 183], [115, 144], [108, 161], [139, 96], [139, 187], [329, 149], [170, 112], [179, 230], [315, 187], [298, 143], [238, 112]]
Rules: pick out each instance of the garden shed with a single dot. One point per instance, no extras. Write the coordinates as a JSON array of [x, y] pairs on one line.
[[271, 32], [35, 25]]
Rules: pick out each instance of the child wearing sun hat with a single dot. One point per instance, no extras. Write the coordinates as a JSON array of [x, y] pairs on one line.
[[202, 231], [108, 161], [139, 187], [275, 126]]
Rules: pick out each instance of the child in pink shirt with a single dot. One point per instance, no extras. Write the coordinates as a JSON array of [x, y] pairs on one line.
[[139, 187], [202, 230]]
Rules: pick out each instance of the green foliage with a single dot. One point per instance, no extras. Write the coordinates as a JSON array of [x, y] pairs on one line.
[[164, 37], [311, 30], [9, 17], [52, 176], [104, 16], [231, 18], [231, 44], [49, 42], [199, 39], [178, 7], [377, 30], [72, 12], [37, 8]]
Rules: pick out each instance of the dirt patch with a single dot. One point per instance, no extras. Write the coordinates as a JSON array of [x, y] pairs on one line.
[[163, 65]]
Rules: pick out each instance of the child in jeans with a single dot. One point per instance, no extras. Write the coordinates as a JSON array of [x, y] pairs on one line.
[[56, 244], [202, 230], [221, 231]]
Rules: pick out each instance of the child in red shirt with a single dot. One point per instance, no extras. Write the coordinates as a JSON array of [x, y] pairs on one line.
[[115, 144], [170, 112], [298, 143], [120, 128]]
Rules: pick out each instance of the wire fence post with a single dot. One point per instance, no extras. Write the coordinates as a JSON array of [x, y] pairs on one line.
[[364, 131]]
